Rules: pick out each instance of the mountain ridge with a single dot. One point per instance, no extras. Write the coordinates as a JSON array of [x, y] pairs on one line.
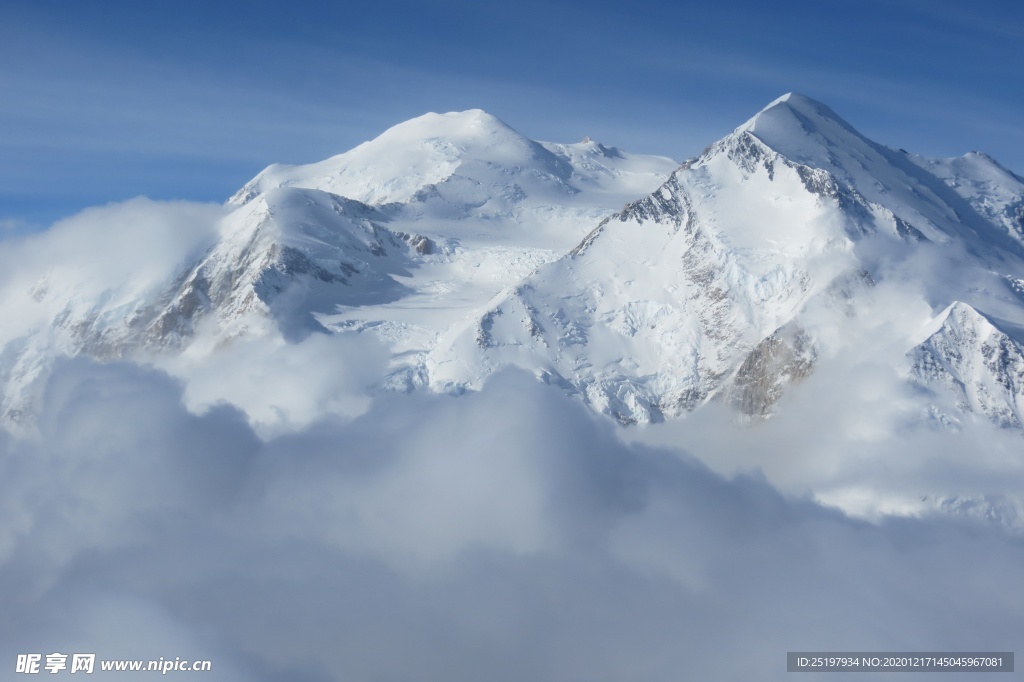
[[466, 247], [743, 257]]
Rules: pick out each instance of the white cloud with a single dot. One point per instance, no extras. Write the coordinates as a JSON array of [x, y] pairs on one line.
[[99, 260], [504, 535], [282, 386], [139, 238]]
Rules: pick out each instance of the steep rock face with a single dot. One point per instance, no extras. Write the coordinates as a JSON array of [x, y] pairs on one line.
[[785, 357], [281, 258], [277, 263], [970, 200], [980, 365], [286, 255]]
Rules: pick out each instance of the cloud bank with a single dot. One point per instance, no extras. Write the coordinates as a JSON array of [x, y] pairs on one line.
[[506, 534]]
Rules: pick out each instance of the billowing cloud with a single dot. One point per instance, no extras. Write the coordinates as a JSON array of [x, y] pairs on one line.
[[126, 240], [100, 261], [281, 386], [505, 534]]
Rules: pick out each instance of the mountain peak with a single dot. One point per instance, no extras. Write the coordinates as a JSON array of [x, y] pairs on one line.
[[797, 99], [792, 98], [979, 361], [801, 105], [451, 126], [792, 120], [407, 157]]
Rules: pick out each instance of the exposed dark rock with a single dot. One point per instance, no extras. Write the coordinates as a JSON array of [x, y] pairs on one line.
[[786, 356]]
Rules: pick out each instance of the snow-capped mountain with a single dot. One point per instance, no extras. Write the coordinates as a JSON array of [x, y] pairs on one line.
[[468, 164], [980, 366], [437, 214], [726, 281], [466, 247]]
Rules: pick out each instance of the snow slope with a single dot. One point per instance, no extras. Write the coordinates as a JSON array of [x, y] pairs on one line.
[[400, 238], [980, 366], [703, 289], [463, 247]]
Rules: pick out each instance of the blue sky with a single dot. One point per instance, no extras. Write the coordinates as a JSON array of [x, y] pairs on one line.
[[104, 101]]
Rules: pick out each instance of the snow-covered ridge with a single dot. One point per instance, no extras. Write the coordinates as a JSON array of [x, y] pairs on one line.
[[412, 155], [464, 247], [655, 309], [980, 365], [439, 213], [473, 150], [700, 290]]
